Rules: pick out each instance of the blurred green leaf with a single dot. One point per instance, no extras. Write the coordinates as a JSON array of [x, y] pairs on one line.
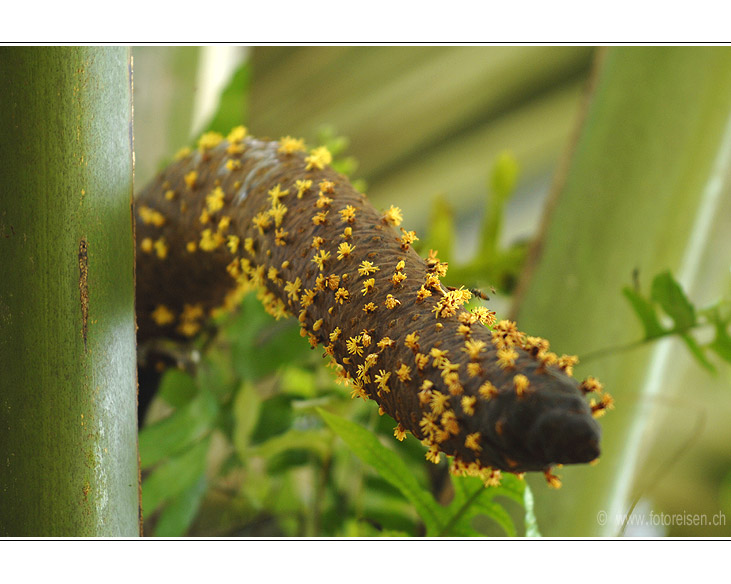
[[298, 381], [275, 417], [174, 433], [697, 352], [327, 136], [388, 464], [179, 513], [233, 105], [668, 294], [260, 345], [503, 179], [317, 440], [504, 175], [287, 460], [174, 476], [721, 344], [360, 528], [214, 374], [441, 229], [246, 406], [177, 387], [645, 311]]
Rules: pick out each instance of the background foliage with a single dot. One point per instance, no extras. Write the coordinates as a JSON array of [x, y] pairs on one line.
[[252, 437]]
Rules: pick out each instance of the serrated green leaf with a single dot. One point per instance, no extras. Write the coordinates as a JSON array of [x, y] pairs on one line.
[[498, 514], [174, 433], [177, 387], [645, 311], [472, 498], [670, 296], [173, 477], [179, 513], [388, 464], [233, 105]]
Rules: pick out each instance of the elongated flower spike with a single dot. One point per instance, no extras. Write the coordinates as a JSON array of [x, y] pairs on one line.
[[280, 220]]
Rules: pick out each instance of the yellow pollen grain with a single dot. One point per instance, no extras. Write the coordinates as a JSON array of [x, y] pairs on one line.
[[209, 140], [233, 243], [292, 288], [151, 217], [412, 341], [521, 383], [487, 390], [161, 248], [347, 215], [182, 153], [391, 301], [344, 250], [318, 158], [162, 315], [302, 187], [320, 218], [224, 223], [210, 240], [237, 134], [404, 373], [468, 404], [341, 295], [327, 186], [290, 145], [472, 441], [368, 286], [393, 216], [367, 268], [277, 193], [214, 200], [382, 379], [190, 179], [261, 221]]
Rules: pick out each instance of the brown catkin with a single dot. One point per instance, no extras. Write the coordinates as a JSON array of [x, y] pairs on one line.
[[238, 213]]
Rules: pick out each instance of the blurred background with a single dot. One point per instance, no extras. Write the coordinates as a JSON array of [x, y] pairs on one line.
[[569, 179]]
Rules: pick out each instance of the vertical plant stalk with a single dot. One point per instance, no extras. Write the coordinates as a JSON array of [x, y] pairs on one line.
[[639, 191], [68, 432], [239, 213]]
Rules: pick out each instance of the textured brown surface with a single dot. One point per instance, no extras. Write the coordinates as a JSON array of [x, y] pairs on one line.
[[525, 423]]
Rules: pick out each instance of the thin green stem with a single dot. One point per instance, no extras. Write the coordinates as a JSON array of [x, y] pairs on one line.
[[603, 352], [461, 511]]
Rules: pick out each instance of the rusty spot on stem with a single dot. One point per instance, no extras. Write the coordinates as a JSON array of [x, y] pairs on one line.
[[84, 287]]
